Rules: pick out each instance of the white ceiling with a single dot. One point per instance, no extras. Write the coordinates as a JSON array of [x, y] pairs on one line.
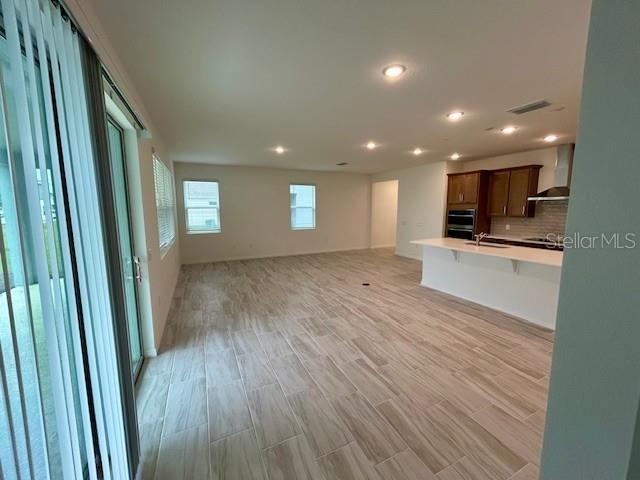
[[226, 80]]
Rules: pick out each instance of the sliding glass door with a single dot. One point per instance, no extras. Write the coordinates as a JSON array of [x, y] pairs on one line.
[[129, 262], [63, 400]]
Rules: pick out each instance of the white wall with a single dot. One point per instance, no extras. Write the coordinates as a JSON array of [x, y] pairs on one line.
[[594, 393], [163, 272], [255, 215], [421, 204], [544, 156], [384, 213]]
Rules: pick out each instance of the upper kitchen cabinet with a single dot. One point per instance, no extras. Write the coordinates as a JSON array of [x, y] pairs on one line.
[[463, 188], [454, 189], [498, 193], [523, 182], [509, 189], [470, 185], [467, 204]]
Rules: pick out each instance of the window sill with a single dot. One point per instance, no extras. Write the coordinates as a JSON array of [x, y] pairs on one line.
[[302, 229], [208, 232], [165, 249]]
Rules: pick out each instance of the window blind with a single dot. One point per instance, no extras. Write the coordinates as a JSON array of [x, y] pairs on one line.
[[202, 206], [303, 207], [165, 204]]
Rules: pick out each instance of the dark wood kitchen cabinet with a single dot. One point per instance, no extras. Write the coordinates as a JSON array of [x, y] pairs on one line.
[[470, 185], [467, 204], [463, 188], [523, 182], [509, 190], [498, 193], [454, 190]]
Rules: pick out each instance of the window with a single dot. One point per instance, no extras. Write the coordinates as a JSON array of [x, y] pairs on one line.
[[303, 207], [201, 206], [165, 204]]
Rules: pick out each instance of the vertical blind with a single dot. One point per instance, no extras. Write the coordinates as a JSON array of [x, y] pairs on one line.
[[165, 203], [58, 411]]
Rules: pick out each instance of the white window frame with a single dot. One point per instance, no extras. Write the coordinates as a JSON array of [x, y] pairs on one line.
[[167, 178], [186, 209], [291, 207]]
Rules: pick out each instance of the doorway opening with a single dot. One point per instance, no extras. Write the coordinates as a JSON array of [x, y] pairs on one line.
[[384, 213]]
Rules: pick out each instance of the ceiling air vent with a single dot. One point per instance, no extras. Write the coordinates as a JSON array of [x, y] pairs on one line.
[[529, 107]]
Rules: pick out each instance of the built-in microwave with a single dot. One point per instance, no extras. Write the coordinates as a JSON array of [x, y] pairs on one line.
[[461, 223]]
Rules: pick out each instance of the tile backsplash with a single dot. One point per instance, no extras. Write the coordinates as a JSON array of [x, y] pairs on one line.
[[550, 217]]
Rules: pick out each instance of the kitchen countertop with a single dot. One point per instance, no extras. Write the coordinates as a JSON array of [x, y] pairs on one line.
[[513, 238], [524, 242], [521, 254]]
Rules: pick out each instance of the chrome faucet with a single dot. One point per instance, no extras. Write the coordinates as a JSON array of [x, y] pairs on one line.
[[479, 238]]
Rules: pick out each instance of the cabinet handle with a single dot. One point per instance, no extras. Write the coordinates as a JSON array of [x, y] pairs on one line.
[[523, 207], [504, 210]]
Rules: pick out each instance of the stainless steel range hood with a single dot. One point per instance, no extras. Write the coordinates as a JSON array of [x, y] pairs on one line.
[[561, 176]]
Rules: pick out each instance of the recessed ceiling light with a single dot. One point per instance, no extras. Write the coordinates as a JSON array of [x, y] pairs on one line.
[[455, 156], [417, 151], [455, 116], [550, 138], [508, 130], [280, 149], [371, 145], [394, 71]]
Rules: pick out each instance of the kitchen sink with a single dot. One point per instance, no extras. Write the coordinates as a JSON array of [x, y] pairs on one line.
[[485, 244]]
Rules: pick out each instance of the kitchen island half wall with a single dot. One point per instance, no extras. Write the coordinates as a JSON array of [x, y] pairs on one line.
[[520, 281]]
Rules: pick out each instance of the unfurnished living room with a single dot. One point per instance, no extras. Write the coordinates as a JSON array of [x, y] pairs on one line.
[[319, 240]]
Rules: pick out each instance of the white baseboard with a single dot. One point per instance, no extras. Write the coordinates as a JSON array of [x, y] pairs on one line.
[[497, 309], [259, 257], [384, 246], [419, 258], [151, 352]]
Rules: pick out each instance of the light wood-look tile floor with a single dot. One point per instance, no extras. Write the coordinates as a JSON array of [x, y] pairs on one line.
[[289, 368]]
